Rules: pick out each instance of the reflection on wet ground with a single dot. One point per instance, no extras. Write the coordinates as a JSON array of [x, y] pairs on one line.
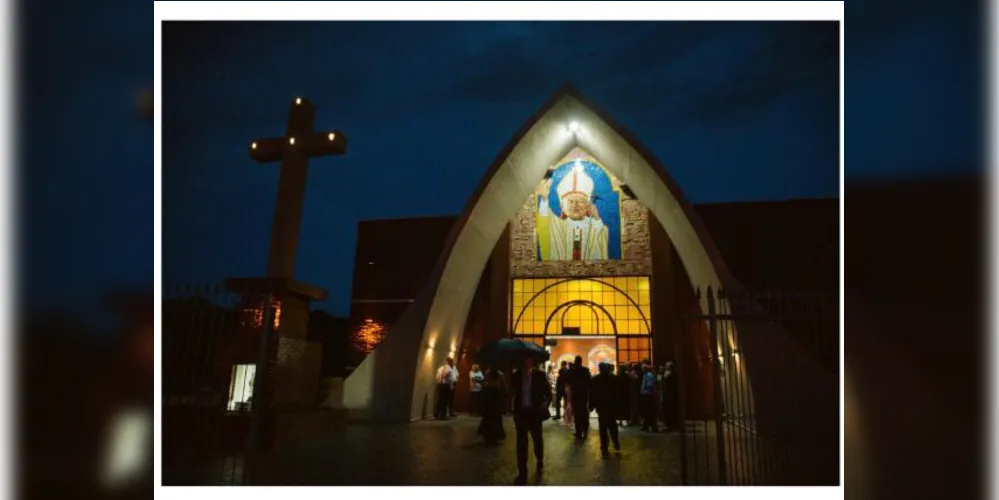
[[450, 453]]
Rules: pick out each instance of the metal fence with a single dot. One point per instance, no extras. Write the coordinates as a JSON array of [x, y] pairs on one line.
[[765, 408], [213, 340]]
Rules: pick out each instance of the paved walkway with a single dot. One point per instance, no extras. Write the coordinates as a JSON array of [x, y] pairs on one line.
[[450, 453]]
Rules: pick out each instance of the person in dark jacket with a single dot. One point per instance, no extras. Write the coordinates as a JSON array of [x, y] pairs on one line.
[[531, 397], [494, 391], [634, 392], [648, 398], [671, 397], [560, 389], [604, 399], [579, 377], [623, 401]]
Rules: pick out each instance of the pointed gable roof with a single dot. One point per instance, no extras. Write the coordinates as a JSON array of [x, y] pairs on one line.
[[396, 380]]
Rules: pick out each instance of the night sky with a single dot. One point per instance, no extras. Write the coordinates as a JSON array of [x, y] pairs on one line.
[[736, 111]]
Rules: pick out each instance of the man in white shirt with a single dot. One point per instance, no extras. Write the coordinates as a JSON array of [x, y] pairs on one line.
[[446, 377]]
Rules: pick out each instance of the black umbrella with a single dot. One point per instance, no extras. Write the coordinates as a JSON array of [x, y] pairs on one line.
[[510, 351]]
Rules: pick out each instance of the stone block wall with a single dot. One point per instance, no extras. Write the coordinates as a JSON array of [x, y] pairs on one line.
[[636, 255], [296, 373]]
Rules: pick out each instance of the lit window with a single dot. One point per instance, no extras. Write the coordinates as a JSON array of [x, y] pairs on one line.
[[603, 303], [241, 387]]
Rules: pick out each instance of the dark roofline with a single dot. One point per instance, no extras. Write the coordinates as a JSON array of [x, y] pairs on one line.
[[705, 204], [408, 217], [768, 202]]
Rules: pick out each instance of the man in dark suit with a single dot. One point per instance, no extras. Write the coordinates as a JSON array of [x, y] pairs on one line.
[[560, 390], [579, 379], [604, 395], [531, 397]]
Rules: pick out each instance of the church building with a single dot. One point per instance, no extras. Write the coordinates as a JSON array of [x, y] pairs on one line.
[[576, 239]]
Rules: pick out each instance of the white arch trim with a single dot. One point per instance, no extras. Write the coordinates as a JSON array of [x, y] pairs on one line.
[[397, 381]]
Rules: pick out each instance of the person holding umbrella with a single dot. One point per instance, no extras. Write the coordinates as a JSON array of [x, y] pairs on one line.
[[532, 395]]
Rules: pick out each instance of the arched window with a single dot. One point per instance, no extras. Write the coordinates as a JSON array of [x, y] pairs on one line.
[[596, 306]]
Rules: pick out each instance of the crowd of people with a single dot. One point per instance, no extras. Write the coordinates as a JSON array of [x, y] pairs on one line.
[[636, 394], [628, 396]]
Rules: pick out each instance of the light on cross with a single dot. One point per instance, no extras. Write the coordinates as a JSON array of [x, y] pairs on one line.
[[300, 143]]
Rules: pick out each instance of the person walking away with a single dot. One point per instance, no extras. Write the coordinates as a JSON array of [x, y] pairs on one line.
[[623, 394], [634, 391], [532, 395], [493, 395], [603, 399], [580, 377], [661, 390], [671, 397], [444, 389], [559, 390], [648, 395], [475, 378], [550, 378], [568, 417]]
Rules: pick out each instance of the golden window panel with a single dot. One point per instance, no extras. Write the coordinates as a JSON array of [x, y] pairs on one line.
[[603, 302]]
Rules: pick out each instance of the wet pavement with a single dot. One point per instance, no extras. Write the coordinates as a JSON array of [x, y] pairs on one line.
[[450, 453]]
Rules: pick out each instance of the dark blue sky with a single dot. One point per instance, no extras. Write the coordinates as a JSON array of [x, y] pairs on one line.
[[913, 104], [738, 111]]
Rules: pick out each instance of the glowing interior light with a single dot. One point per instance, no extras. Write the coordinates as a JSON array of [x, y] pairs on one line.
[[298, 100], [291, 140], [253, 146], [332, 136], [574, 127]]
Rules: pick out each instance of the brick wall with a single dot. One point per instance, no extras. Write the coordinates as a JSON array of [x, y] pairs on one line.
[[636, 256], [296, 373]]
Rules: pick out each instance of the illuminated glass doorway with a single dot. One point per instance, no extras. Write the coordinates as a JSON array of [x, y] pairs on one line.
[[614, 307]]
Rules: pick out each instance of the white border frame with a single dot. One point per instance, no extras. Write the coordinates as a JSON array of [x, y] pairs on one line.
[[457, 11]]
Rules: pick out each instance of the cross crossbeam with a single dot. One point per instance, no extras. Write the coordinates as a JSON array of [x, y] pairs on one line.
[[300, 143]]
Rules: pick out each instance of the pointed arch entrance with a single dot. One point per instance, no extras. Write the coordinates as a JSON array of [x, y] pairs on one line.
[[396, 381]]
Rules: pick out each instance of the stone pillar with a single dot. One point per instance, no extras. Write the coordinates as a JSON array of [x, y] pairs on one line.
[[293, 362]]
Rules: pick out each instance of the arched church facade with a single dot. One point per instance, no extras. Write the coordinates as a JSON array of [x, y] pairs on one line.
[[577, 239]]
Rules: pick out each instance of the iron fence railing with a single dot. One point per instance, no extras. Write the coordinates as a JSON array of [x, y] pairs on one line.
[[213, 342], [764, 410]]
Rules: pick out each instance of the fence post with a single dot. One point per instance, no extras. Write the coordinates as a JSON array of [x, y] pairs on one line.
[[719, 399], [251, 475], [681, 397]]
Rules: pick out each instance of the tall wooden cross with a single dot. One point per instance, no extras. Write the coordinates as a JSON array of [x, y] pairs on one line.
[[300, 143]]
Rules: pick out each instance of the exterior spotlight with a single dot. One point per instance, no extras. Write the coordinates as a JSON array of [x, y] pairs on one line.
[[574, 127], [253, 145], [332, 136], [298, 101], [291, 140]]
